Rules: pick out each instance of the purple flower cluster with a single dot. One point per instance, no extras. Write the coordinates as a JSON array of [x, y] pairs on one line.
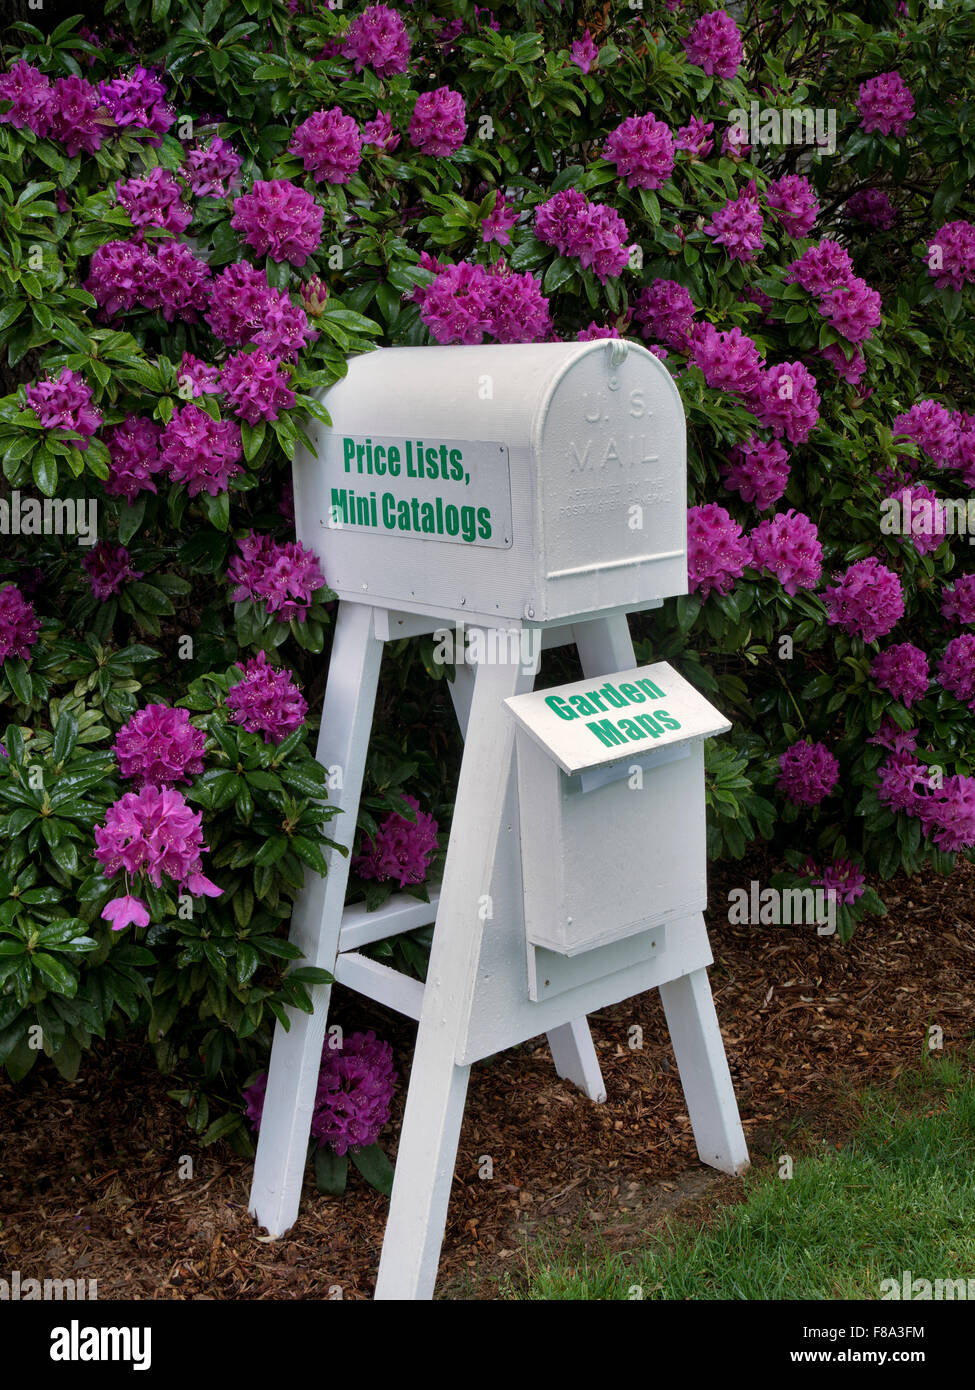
[[584, 52], [959, 601], [872, 206], [256, 386], [695, 138], [266, 700], [279, 219], [401, 850], [353, 1097], [133, 456], [665, 311], [19, 625], [787, 545], [592, 231], [499, 221], [595, 332], [642, 148], [843, 877], [211, 170], [168, 277], [154, 832], [138, 98], [717, 553], [956, 669], [885, 104], [920, 507], [932, 427], [826, 271], [64, 403], [951, 255], [808, 772], [377, 38], [715, 45], [155, 201], [759, 471], [465, 302], [197, 378], [108, 567], [738, 225], [282, 575], [730, 361], [946, 812], [850, 368], [329, 145], [159, 746], [79, 115], [867, 600], [903, 671], [245, 309], [380, 133], [786, 401], [794, 202], [201, 452], [438, 125]]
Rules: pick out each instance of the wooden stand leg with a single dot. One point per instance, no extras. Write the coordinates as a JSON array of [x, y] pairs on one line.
[[438, 1086], [296, 1054], [704, 1073], [574, 1055]]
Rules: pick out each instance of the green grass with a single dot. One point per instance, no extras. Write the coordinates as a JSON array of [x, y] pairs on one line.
[[900, 1194]]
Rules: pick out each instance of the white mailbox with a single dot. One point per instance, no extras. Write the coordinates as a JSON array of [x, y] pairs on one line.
[[612, 771], [500, 483], [524, 489]]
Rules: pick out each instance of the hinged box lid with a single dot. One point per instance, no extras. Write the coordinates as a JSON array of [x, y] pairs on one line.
[[606, 719]]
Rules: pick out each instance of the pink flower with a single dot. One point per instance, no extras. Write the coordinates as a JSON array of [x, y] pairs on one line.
[[154, 832], [155, 201], [956, 669], [730, 361], [456, 305], [738, 225], [377, 38], [821, 268], [642, 148], [853, 309], [930, 425], [282, 576], [266, 700], [201, 452], [592, 231], [133, 456], [108, 567], [959, 600], [176, 281], [256, 387], [329, 145], [499, 221], [872, 206], [844, 878], [160, 746], [596, 331], [211, 171], [694, 138], [118, 275], [138, 98], [19, 625], [794, 202], [584, 52], [438, 125], [787, 545], [849, 369], [759, 471], [786, 401], [122, 912], [951, 255], [921, 511], [867, 601], [79, 119], [196, 378], [715, 45], [809, 773], [380, 133], [903, 671], [402, 849], [665, 311], [885, 104], [64, 403], [518, 310], [717, 553], [280, 220]]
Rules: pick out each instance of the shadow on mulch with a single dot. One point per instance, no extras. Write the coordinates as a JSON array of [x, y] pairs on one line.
[[90, 1172]]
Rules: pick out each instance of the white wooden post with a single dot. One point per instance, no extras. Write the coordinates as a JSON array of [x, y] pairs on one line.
[[703, 1066], [438, 1086], [296, 1054]]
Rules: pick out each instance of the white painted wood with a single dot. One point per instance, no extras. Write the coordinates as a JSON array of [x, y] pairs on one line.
[[435, 1101], [380, 982], [296, 1054], [391, 626], [398, 914], [574, 1055], [703, 1066]]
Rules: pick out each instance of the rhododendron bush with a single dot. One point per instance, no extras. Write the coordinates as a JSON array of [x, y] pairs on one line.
[[207, 209]]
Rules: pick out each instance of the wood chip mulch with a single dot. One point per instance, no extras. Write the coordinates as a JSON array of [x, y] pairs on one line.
[[90, 1183]]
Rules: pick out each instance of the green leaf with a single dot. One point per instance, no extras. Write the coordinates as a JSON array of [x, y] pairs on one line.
[[331, 1172], [15, 669], [375, 1167]]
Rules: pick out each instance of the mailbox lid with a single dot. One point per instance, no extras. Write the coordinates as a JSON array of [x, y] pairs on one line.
[[608, 719]]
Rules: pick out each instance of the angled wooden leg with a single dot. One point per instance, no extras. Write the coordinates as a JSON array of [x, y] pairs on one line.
[[704, 1074], [435, 1101], [296, 1054]]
